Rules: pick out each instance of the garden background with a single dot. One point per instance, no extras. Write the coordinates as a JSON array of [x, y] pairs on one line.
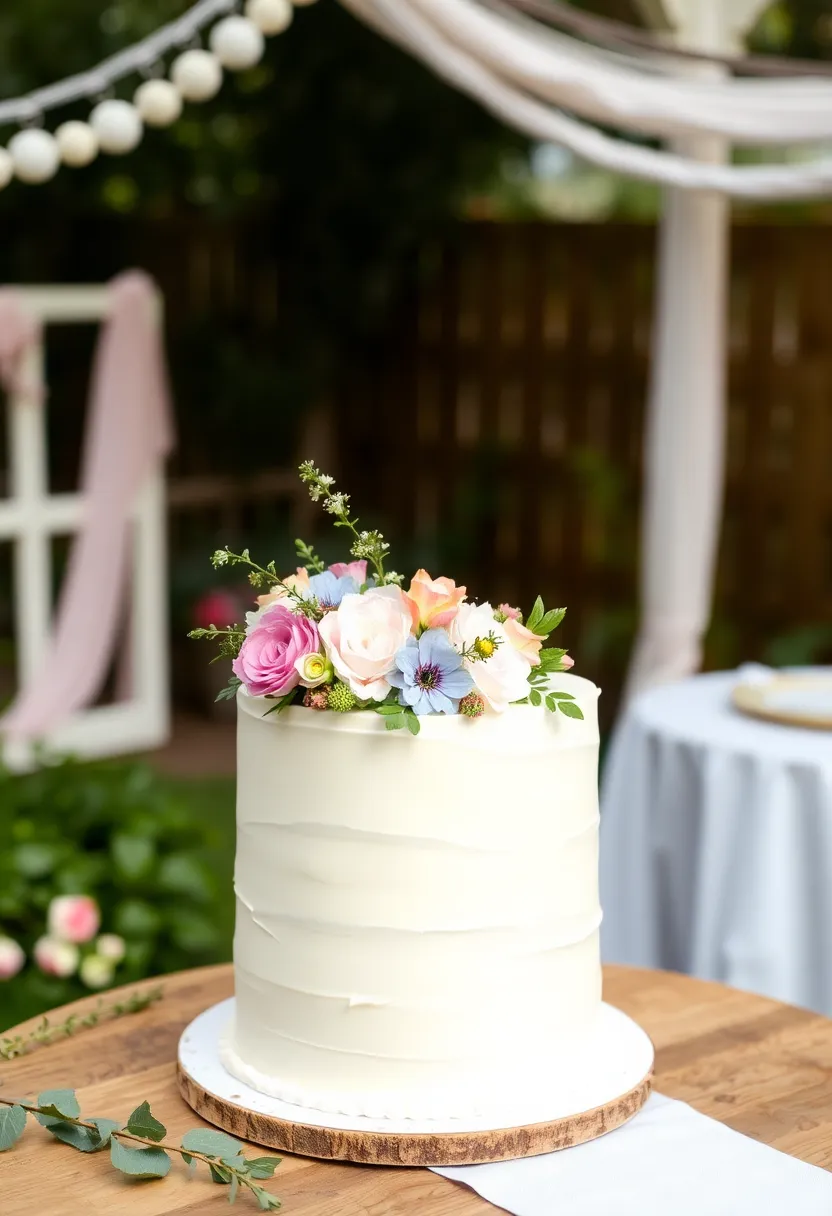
[[360, 266]]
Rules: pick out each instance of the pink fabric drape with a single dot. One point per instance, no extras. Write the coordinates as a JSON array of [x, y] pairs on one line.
[[18, 331], [128, 432]]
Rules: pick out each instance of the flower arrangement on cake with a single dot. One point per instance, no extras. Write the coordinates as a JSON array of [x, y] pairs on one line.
[[349, 637]]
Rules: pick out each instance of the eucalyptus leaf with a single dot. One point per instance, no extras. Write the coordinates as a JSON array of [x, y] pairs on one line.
[[570, 709], [12, 1126], [142, 1123], [80, 1138], [262, 1167], [139, 1162], [212, 1143], [220, 1174], [62, 1102], [105, 1128], [267, 1202], [233, 1188]]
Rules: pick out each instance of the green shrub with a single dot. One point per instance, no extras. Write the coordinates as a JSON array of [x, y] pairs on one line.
[[157, 866]]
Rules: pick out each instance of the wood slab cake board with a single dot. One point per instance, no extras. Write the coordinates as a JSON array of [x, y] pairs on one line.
[[412, 1148], [609, 1082]]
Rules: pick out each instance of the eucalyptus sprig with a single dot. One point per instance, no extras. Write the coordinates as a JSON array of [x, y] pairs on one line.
[[46, 1032], [59, 1112], [368, 545]]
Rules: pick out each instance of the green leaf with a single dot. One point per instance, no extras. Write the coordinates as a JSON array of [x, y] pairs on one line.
[[230, 691], [105, 1127], [133, 855], [12, 1126], [60, 1102], [136, 918], [235, 1186], [35, 860], [262, 1167], [267, 1202], [212, 1143], [186, 875], [281, 703], [80, 1138], [388, 708], [571, 710], [561, 696], [142, 1123], [535, 616], [534, 697], [220, 1174], [551, 703], [551, 654], [413, 724], [139, 1162], [550, 621], [193, 931], [394, 721]]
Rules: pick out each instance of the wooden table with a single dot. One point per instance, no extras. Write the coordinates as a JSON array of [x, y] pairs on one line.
[[761, 1067]]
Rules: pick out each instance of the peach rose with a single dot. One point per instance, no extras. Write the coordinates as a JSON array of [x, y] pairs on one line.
[[433, 602], [524, 641]]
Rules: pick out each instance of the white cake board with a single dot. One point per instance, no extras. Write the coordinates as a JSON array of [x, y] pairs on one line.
[[608, 1081]]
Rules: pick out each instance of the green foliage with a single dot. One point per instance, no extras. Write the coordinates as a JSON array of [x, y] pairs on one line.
[[12, 1125], [116, 832], [138, 1149], [47, 1032], [396, 716]]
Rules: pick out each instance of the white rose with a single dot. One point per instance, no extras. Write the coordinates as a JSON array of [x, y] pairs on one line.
[[504, 677], [96, 972], [363, 636]]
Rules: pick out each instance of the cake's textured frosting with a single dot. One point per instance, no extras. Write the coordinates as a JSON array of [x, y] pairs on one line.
[[417, 919]]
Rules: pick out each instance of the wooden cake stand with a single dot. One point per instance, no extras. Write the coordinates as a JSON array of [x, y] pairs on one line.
[[606, 1086]]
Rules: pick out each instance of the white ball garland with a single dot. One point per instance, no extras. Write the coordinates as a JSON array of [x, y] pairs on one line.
[[35, 155], [197, 75], [6, 168], [237, 43], [117, 125], [77, 143], [158, 102], [270, 16]]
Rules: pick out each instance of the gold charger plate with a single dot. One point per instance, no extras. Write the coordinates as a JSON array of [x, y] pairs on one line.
[[790, 700]]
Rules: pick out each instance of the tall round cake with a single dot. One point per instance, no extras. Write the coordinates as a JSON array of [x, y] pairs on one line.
[[417, 918]]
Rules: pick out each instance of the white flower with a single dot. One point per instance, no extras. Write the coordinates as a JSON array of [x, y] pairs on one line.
[[55, 957], [111, 947], [363, 636], [96, 972], [12, 958], [505, 676]]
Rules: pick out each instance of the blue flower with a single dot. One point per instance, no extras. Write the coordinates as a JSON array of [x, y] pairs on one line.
[[430, 675], [329, 589]]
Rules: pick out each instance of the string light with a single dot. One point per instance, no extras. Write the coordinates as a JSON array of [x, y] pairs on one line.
[[116, 127]]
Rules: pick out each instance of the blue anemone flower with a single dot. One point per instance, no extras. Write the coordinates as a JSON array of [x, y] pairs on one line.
[[430, 676], [329, 589]]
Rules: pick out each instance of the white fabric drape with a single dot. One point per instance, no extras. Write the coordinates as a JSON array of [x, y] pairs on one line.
[[404, 22]]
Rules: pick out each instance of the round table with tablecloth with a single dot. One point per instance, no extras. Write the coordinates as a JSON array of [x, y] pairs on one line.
[[716, 844]]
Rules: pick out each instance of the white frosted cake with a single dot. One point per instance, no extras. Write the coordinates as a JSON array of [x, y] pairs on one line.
[[417, 919]]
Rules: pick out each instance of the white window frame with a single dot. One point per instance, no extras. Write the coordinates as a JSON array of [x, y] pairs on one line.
[[31, 516]]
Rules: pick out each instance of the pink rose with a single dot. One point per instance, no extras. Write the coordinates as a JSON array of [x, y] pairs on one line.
[[266, 662], [524, 641], [434, 602], [12, 958], [356, 570], [299, 581], [73, 918], [55, 957], [566, 662], [363, 636]]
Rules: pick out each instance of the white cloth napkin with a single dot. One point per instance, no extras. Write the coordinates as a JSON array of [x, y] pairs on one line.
[[668, 1161]]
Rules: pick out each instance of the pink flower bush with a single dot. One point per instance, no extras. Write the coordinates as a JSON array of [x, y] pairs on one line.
[[56, 957], [524, 641], [111, 946], [433, 602], [356, 570], [12, 958], [267, 658], [363, 636], [73, 918]]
